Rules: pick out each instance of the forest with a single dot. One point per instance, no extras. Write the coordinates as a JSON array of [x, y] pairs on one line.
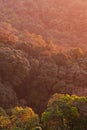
[[43, 65]]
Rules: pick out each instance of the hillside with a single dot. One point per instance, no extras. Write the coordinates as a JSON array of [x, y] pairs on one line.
[[43, 64], [64, 23], [31, 70]]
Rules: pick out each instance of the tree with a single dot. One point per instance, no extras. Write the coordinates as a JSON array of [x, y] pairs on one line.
[[24, 118], [14, 66], [7, 33], [8, 97], [64, 114]]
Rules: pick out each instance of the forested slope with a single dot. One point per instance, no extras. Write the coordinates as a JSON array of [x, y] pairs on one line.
[[43, 65], [63, 22], [32, 69]]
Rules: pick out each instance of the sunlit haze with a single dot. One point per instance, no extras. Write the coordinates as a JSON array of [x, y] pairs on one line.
[[43, 64]]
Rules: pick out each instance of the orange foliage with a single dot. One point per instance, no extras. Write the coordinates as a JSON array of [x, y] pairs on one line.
[[7, 33]]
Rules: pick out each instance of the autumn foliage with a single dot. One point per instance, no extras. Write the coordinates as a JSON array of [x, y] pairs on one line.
[[33, 64], [43, 51]]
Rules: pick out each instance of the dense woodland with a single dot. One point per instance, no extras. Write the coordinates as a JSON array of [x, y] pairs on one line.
[[64, 112], [43, 65], [63, 22], [31, 71]]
